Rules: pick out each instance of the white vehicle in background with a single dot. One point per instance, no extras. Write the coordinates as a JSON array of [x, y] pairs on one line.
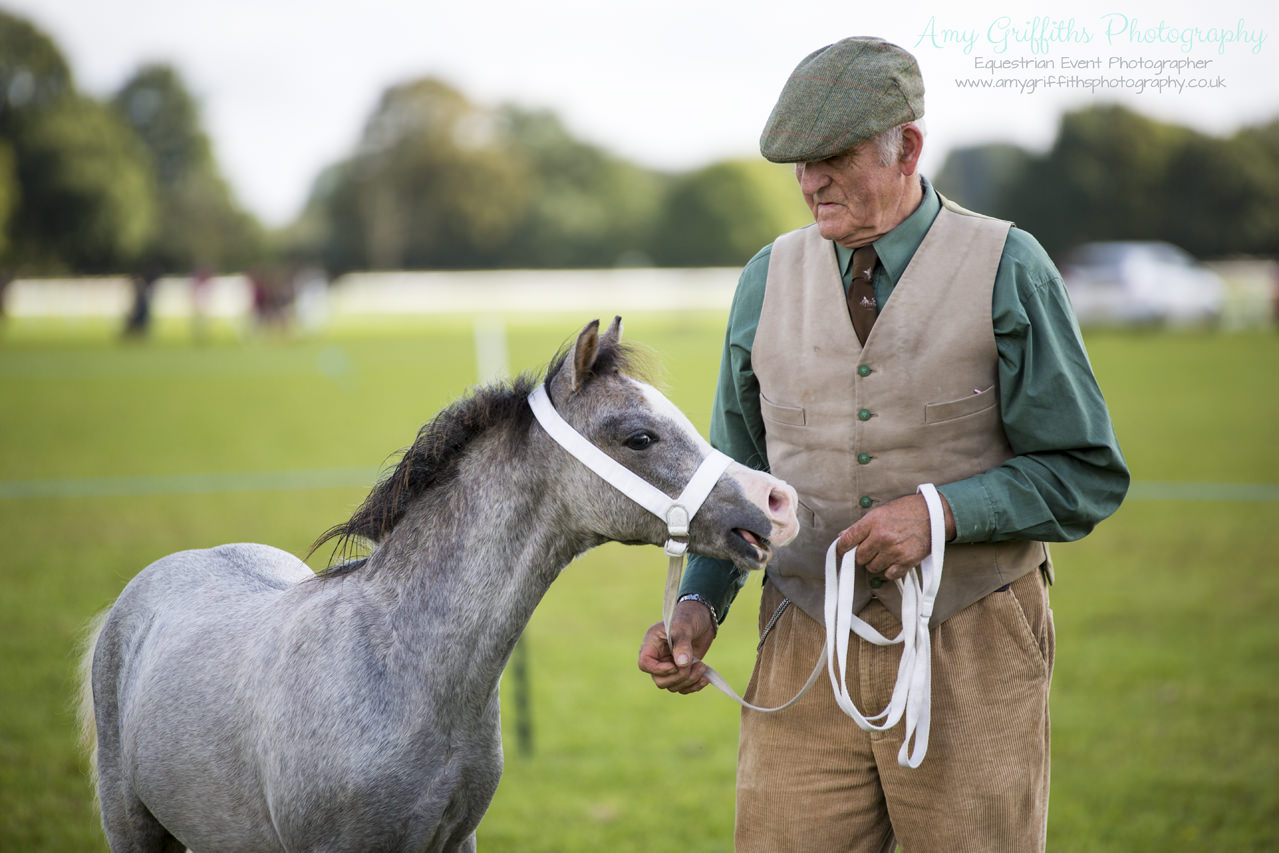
[[1148, 283]]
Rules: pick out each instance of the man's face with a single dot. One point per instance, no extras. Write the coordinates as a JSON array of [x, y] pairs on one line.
[[853, 197]]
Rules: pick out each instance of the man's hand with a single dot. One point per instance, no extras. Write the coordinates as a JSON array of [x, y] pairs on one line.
[[894, 538], [682, 671]]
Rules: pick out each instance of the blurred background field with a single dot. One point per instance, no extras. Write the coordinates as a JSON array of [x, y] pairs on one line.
[[246, 250], [115, 454]]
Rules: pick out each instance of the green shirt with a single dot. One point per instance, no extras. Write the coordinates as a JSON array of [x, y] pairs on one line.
[[1067, 473]]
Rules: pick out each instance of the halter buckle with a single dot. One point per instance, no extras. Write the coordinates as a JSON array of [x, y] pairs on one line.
[[677, 520]]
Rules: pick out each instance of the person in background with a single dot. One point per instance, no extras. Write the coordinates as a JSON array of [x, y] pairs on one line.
[[137, 323]]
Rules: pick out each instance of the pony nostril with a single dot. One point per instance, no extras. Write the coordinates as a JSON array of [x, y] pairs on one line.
[[778, 502]]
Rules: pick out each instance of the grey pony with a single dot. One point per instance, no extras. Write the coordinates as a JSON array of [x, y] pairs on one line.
[[236, 701]]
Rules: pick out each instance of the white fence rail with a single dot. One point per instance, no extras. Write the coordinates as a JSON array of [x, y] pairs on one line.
[[391, 293], [1252, 294]]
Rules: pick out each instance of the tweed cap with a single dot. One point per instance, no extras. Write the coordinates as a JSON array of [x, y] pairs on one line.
[[843, 94]]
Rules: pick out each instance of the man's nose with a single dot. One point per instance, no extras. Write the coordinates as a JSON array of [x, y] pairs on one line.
[[812, 177]]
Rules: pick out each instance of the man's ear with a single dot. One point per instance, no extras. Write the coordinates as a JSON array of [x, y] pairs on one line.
[[912, 147]]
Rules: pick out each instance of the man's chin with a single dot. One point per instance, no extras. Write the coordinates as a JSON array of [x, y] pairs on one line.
[[838, 231]]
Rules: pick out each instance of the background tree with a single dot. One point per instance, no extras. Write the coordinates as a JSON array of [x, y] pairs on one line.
[[440, 182], [1101, 179], [1259, 233], [1222, 196], [721, 215], [33, 72], [430, 185], [74, 178], [200, 224], [8, 194], [86, 197], [982, 177], [585, 207], [1114, 174]]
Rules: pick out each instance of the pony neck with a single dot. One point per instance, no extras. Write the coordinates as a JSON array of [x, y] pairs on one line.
[[462, 572]]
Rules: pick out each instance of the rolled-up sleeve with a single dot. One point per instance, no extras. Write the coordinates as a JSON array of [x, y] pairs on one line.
[[1067, 473]]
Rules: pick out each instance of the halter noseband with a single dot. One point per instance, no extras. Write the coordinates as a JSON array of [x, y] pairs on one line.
[[677, 513]]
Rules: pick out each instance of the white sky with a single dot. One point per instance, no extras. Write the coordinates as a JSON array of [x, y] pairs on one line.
[[286, 85]]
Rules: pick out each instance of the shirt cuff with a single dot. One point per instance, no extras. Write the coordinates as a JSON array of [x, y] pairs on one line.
[[717, 580], [972, 508]]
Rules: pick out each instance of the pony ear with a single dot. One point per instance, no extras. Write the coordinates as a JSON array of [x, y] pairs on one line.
[[613, 334], [582, 359]]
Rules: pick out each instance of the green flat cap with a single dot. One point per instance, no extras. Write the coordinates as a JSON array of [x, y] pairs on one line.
[[840, 95]]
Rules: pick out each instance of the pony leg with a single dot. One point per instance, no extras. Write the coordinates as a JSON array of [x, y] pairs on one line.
[[129, 826], [135, 830]]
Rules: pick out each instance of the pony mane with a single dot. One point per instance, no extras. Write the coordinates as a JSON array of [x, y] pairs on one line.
[[433, 459]]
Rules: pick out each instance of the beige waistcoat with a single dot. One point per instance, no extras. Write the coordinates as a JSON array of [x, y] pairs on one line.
[[854, 427]]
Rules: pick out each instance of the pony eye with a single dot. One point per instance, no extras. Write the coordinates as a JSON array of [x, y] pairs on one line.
[[640, 440]]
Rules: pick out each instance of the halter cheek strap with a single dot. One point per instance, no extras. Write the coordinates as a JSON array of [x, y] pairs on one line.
[[677, 512]]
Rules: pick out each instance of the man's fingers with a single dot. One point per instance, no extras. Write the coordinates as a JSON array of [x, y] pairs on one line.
[[877, 563], [888, 563], [657, 665], [690, 680], [696, 687], [683, 655], [683, 651], [849, 539], [673, 661], [655, 656]]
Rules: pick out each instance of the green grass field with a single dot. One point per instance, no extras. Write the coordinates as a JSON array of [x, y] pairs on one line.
[[1166, 735]]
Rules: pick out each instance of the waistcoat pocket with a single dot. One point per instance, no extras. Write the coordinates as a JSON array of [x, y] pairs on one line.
[[807, 518], [978, 401], [792, 415]]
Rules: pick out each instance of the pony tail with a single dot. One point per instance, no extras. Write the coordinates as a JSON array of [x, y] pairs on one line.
[[86, 715]]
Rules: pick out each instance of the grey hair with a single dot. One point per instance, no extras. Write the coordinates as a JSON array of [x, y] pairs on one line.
[[889, 143]]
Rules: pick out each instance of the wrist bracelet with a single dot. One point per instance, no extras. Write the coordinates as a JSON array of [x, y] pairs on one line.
[[701, 599]]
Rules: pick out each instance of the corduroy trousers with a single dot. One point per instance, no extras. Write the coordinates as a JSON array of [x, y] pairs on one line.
[[809, 779]]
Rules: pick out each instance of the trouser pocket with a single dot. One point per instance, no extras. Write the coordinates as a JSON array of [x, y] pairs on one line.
[[766, 628], [1029, 594]]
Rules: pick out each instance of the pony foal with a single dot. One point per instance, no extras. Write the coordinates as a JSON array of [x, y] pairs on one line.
[[242, 703]]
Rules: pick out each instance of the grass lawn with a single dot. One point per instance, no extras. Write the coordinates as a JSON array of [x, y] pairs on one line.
[[1165, 732]]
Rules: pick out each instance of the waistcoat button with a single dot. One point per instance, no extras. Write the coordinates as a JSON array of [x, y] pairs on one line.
[[863, 370], [863, 458], [864, 415]]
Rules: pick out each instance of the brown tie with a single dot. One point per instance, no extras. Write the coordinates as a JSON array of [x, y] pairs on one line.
[[861, 292]]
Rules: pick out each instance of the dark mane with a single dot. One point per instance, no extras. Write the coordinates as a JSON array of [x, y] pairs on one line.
[[432, 460]]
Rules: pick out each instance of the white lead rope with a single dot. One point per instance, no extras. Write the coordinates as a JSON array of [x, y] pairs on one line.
[[912, 693]]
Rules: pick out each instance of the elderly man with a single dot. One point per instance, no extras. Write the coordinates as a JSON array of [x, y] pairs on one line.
[[898, 340]]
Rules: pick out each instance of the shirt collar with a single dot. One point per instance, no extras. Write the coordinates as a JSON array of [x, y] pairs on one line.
[[897, 247]]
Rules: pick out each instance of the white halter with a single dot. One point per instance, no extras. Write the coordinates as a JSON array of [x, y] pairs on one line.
[[912, 693], [676, 512]]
